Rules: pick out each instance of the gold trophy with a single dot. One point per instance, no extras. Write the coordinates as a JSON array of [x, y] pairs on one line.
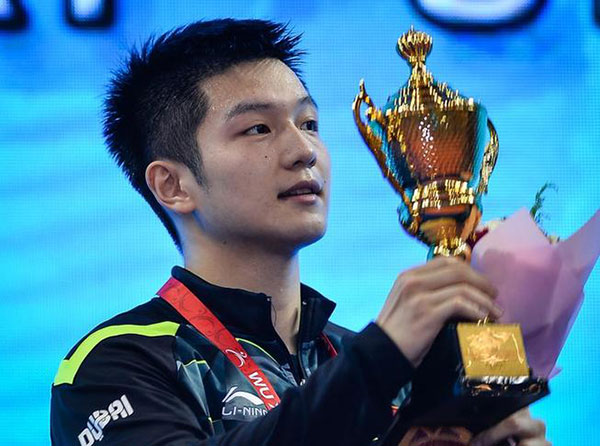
[[430, 143]]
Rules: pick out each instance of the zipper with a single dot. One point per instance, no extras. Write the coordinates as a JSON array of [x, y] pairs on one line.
[[303, 309], [299, 380]]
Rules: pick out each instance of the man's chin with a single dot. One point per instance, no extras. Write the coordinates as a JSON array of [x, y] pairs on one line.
[[310, 240], [308, 237], [298, 239]]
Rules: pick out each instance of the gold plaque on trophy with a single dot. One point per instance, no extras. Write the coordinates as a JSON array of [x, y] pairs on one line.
[[492, 350]]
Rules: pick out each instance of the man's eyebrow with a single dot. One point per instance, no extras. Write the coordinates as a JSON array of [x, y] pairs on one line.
[[247, 107], [308, 100]]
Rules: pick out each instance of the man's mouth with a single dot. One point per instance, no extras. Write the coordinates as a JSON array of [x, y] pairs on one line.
[[311, 187]]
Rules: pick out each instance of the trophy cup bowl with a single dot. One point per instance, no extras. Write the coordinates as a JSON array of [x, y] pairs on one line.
[[443, 151], [432, 145]]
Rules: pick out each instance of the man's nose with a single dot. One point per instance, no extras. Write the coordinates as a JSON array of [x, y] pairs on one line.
[[300, 151]]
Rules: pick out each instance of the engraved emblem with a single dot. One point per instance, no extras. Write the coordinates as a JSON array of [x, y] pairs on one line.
[[486, 346], [492, 349]]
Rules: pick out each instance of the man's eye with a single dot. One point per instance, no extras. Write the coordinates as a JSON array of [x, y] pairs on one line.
[[311, 126], [258, 129]]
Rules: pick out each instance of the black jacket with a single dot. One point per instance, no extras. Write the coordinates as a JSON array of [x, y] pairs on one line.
[[147, 377]]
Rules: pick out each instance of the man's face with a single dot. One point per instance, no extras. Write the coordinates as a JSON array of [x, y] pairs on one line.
[[265, 169]]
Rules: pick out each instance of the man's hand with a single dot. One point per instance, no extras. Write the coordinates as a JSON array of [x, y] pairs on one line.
[[424, 298], [518, 429]]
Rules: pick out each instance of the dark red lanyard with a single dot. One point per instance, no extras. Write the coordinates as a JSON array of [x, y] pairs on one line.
[[203, 320]]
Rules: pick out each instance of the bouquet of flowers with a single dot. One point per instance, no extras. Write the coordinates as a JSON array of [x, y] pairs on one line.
[[540, 279]]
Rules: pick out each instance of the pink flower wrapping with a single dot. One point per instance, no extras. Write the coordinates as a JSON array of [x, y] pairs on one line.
[[540, 284]]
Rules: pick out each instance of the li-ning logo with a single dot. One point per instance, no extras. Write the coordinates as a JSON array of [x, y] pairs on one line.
[[119, 408], [240, 356], [241, 394], [239, 409]]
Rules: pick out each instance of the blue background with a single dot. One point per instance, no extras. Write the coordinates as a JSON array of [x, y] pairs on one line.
[[78, 244]]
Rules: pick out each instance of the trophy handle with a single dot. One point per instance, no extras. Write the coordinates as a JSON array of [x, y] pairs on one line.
[[374, 141], [489, 159], [371, 139]]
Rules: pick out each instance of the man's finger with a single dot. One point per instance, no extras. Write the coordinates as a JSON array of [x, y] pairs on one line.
[[519, 425], [535, 442], [448, 271], [454, 300]]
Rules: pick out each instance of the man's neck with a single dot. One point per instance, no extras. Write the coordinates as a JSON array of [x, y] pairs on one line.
[[257, 271]]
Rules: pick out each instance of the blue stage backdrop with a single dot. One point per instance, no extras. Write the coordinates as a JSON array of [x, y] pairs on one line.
[[78, 244]]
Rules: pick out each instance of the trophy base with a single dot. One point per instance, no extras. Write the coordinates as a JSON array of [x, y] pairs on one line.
[[444, 395]]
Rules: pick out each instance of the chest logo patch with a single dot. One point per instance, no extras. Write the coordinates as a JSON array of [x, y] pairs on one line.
[[240, 405]]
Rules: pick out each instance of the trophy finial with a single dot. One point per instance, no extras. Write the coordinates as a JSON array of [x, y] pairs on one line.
[[414, 46]]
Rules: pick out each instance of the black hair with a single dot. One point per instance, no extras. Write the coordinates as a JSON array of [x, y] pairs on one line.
[[154, 103]]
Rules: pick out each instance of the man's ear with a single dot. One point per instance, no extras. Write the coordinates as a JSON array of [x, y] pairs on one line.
[[170, 183]]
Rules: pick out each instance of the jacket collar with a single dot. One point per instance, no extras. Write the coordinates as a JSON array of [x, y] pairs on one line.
[[249, 313]]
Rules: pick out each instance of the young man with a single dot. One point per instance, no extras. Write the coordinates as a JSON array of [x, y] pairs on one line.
[[213, 126]]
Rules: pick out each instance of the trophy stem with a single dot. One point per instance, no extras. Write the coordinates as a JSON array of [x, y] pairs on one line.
[[450, 248]]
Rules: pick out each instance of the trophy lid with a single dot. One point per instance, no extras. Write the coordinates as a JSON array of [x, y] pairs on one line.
[[422, 93]]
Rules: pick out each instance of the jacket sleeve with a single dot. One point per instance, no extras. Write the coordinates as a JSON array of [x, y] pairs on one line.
[[119, 400], [124, 393]]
